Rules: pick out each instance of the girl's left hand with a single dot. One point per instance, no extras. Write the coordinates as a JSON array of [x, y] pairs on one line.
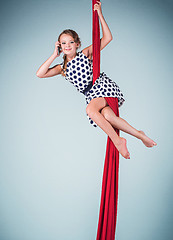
[[97, 7]]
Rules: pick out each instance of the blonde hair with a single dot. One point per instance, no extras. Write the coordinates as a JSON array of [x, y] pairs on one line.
[[76, 38]]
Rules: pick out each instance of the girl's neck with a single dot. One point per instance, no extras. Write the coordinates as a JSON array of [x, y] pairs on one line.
[[69, 58]]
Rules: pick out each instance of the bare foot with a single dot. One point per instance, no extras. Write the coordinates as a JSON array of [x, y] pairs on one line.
[[122, 148], [147, 141]]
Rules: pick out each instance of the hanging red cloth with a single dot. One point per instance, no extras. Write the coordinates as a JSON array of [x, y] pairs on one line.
[[109, 196]]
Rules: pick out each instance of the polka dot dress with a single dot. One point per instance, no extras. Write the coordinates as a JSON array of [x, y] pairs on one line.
[[80, 73]]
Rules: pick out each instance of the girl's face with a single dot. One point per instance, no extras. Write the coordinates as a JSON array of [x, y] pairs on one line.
[[68, 44]]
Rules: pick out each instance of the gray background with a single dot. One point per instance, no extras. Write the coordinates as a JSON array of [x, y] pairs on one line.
[[51, 157]]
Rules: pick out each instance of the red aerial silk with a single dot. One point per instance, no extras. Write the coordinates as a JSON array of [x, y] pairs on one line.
[[109, 197]]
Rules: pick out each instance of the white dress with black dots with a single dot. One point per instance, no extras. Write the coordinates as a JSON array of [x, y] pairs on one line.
[[80, 73]]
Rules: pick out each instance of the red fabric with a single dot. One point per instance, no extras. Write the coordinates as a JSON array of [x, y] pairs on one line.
[[109, 196], [96, 44]]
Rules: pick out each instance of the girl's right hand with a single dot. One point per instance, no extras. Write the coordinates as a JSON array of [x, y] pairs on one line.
[[57, 45]]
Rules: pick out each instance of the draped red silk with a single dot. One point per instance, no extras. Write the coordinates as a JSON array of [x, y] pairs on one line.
[[109, 195]]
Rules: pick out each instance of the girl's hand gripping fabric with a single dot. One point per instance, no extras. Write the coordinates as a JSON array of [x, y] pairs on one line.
[[97, 7]]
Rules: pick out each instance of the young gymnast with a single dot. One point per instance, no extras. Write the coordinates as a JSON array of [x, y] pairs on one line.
[[77, 69]]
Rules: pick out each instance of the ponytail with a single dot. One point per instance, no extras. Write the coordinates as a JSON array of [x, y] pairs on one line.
[[63, 72]]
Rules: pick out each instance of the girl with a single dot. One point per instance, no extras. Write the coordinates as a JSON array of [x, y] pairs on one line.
[[77, 68]]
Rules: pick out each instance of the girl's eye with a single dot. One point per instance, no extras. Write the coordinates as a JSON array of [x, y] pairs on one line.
[[70, 42]]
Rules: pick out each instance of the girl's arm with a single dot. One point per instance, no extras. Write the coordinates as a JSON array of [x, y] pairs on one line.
[[107, 36], [44, 71]]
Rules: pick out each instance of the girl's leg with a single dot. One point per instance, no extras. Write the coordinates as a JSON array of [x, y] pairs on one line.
[[121, 124], [93, 110]]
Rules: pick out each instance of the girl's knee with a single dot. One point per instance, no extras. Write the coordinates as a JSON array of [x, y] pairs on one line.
[[90, 110], [106, 113], [95, 105]]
